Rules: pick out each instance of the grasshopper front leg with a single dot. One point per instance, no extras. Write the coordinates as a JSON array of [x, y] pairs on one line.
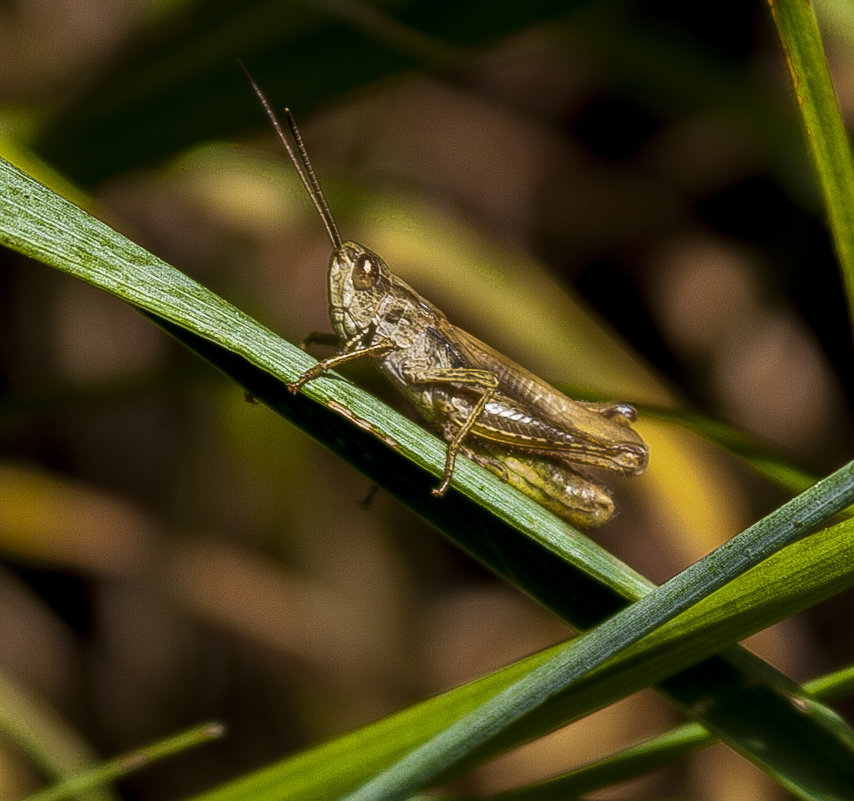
[[479, 379], [379, 349]]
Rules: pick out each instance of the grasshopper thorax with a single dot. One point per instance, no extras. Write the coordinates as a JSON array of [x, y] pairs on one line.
[[359, 281]]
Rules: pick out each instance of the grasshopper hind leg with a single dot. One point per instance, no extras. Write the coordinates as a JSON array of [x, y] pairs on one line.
[[551, 483]]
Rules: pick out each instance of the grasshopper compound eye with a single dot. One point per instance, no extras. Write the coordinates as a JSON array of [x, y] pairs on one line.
[[366, 272]]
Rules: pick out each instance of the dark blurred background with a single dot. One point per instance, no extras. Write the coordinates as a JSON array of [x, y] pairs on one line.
[[616, 194]]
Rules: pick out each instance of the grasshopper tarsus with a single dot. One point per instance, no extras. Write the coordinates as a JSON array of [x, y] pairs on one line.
[[309, 375], [448, 472]]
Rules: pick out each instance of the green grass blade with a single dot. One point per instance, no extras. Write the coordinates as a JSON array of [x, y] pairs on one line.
[[552, 562], [40, 732], [121, 766], [827, 140], [427, 763], [802, 574], [645, 757], [764, 458]]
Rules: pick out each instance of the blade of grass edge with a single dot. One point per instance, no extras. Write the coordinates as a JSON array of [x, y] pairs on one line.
[[826, 138]]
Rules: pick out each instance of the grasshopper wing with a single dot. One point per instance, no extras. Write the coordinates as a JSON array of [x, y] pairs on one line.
[[598, 434]]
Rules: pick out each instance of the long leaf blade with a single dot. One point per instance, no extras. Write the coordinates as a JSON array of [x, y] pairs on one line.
[[547, 560], [749, 603], [826, 137]]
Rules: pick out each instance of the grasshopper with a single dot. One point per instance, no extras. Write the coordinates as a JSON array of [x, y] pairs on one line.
[[484, 405]]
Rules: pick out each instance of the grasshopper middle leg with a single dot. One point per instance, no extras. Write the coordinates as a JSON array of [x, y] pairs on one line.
[[482, 380]]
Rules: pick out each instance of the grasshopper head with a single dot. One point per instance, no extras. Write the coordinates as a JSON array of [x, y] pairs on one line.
[[359, 280]]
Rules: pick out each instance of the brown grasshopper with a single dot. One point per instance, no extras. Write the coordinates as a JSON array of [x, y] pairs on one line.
[[484, 405]]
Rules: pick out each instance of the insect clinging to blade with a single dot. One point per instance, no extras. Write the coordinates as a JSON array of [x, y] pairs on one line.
[[484, 405]]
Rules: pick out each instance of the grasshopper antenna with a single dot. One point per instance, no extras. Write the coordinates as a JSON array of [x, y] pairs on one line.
[[300, 160]]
